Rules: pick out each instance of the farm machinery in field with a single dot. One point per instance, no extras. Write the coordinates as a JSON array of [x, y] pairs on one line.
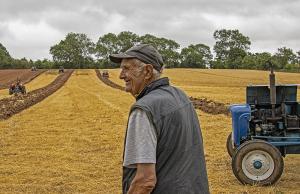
[[33, 68], [105, 74], [61, 69], [264, 130], [17, 88]]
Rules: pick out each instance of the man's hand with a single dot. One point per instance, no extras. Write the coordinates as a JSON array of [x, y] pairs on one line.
[[144, 180]]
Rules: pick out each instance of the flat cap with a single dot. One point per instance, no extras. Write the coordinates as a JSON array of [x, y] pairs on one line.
[[144, 52]]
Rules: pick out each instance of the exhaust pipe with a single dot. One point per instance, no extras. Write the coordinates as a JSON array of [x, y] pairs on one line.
[[272, 90]]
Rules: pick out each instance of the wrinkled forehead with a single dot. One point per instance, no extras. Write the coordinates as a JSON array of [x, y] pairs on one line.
[[128, 63]]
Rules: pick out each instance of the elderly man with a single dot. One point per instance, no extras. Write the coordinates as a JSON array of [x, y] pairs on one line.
[[163, 146]]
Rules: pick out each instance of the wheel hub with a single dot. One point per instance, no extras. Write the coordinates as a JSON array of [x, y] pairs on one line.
[[258, 165]]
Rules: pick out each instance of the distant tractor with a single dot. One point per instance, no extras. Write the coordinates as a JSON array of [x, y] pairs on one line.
[[33, 68], [61, 69], [264, 130], [105, 74], [17, 88]]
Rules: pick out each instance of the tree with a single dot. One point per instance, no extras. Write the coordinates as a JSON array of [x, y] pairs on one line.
[[169, 51], [196, 56], [74, 51], [217, 64], [298, 57], [284, 56], [249, 61], [126, 40], [22, 63], [43, 64], [256, 61], [106, 45], [231, 47], [110, 43], [4, 52], [262, 60], [167, 48], [5, 58]]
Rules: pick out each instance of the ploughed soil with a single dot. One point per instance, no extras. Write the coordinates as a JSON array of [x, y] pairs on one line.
[[108, 81], [15, 104], [9, 76], [208, 106]]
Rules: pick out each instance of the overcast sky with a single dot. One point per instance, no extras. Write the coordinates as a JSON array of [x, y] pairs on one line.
[[28, 28]]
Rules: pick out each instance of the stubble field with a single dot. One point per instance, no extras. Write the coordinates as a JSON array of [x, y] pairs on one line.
[[72, 141]]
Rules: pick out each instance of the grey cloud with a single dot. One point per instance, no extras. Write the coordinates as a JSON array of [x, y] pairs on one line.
[[269, 23]]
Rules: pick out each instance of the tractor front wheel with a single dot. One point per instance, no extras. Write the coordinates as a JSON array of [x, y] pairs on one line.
[[229, 145], [257, 162]]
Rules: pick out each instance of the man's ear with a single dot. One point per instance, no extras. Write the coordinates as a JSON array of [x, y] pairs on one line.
[[148, 71]]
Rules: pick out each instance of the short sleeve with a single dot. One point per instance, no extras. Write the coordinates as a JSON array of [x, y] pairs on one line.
[[141, 140]]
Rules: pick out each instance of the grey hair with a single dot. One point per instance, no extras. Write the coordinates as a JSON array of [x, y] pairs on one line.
[[141, 64]]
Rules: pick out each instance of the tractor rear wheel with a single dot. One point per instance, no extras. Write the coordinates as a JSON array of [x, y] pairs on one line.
[[257, 162], [229, 145], [23, 90]]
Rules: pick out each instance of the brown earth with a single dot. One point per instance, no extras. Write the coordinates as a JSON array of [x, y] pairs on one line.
[[15, 104], [208, 106], [9, 76], [108, 81]]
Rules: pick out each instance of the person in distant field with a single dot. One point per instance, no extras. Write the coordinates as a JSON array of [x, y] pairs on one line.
[[163, 149]]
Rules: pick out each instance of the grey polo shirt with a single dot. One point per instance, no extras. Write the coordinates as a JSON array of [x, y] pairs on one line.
[[141, 140]]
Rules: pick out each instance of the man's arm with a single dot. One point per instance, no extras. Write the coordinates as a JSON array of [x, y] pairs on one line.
[[144, 180], [140, 152]]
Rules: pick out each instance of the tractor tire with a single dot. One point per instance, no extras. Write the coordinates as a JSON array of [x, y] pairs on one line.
[[257, 162], [10, 91], [23, 90], [229, 145]]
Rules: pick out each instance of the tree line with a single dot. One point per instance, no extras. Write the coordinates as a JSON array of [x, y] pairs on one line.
[[230, 51]]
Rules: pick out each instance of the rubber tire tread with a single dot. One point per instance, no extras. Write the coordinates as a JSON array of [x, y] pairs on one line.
[[257, 145]]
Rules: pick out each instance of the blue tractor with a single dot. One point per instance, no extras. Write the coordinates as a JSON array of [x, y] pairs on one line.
[[264, 130]]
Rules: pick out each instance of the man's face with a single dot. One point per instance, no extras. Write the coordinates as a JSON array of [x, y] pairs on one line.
[[133, 75]]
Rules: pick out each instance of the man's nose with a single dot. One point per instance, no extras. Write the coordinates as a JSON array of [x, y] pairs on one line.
[[122, 75]]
